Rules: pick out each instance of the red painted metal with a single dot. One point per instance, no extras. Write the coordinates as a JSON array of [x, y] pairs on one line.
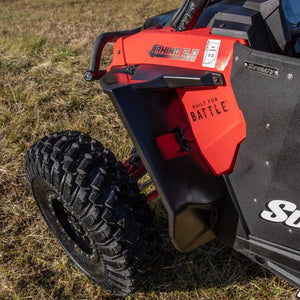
[[211, 116], [151, 196], [135, 168]]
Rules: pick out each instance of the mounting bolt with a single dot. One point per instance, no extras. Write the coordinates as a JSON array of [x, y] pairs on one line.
[[290, 76], [88, 76], [131, 69]]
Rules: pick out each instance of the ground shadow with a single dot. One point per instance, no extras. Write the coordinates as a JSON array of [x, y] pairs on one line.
[[212, 265]]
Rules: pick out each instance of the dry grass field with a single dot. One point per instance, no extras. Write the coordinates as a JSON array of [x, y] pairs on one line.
[[44, 50]]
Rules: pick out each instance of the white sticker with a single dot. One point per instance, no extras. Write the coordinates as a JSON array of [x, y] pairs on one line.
[[211, 53]]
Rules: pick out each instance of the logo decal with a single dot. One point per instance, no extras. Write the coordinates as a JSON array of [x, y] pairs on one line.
[[208, 109], [186, 54], [262, 69], [211, 53], [281, 211]]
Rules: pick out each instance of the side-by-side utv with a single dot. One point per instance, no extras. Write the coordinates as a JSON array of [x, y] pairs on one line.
[[210, 96]]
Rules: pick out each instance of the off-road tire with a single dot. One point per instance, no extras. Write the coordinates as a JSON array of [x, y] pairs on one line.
[[93, 208]]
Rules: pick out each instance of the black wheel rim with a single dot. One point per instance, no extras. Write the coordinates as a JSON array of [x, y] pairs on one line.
[[68, 228]]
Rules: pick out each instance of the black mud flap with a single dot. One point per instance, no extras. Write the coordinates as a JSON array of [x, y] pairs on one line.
[[265, 182], [152, 112]]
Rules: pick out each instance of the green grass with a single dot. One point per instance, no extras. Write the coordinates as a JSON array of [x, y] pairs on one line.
[[44, 50]]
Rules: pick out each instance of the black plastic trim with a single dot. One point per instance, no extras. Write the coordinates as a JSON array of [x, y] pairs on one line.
[[188, 189]]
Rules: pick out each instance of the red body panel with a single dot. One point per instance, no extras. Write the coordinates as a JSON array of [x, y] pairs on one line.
[[215, 119]]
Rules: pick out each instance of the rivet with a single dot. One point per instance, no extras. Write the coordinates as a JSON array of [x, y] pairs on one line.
[[255, 200], [236, 59], [290, 231], [267, 163], [290, 76], [268, 126]]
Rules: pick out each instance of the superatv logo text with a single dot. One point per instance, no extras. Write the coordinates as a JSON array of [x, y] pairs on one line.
[[186, 54], [208, 108], [262, 69], [281, 211]]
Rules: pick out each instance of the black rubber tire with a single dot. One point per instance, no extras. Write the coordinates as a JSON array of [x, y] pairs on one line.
[[93, 208]]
